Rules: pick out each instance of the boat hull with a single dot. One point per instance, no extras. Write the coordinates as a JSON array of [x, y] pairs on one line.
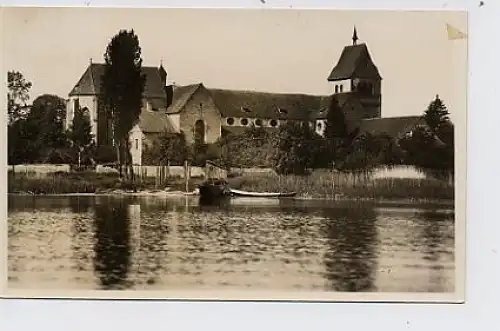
[[213, 191], [238, 193]]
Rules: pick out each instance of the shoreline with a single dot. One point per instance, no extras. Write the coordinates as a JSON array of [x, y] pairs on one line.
[[178, 194]]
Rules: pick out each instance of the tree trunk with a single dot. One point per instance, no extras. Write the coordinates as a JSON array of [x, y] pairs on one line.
[[118, 157], [129, 158]]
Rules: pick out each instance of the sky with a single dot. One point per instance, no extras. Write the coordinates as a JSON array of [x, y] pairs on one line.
[[278, 50]]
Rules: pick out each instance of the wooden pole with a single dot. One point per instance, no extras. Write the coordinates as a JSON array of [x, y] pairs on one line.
[[186, 175]]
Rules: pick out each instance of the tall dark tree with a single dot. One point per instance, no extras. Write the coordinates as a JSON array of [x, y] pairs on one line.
[[297, 148], [80, 136], [17, 95], [337, 135], [23, 143], [48, 114], [39, 135], [436, 115], [122, 90]]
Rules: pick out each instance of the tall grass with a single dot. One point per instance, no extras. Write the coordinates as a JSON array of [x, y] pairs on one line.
[[86, 182], [335, 185]]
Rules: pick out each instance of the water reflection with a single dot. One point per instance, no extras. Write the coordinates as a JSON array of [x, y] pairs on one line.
[[157, 243], [350, 260], [437, 246], [112, 243]]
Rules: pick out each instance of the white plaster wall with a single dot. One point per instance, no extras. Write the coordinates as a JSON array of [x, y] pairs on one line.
[[176, 121], [85, 101], [342, 86], [136, 145]]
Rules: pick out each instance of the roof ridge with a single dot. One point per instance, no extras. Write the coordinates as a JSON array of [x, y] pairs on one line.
[[270, 93], [92, 79]]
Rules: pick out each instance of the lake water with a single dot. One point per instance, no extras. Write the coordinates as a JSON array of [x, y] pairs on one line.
[[82, 242]]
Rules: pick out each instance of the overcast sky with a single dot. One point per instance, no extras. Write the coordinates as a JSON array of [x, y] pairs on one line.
[[264, 50]]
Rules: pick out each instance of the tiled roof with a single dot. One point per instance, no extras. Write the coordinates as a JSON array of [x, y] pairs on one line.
[[233, 103], [155, 122], [181, 95], [393, 126], [355, 61], [90, 82], [322, 111]]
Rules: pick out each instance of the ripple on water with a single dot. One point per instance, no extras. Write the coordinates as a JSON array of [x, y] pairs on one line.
[[124, 243]]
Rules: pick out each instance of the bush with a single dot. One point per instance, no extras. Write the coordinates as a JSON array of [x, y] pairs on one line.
[[105, 154]]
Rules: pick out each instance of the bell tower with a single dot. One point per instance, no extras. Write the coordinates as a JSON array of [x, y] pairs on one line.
[[356, 73]]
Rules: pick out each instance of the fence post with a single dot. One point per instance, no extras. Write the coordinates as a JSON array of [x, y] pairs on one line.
[[186, 175]]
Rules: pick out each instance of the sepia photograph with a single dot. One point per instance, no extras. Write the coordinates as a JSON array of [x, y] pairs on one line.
[[239, 154]]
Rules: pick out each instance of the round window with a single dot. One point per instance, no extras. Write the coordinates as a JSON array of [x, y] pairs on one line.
[[273, 122], [230, 121], [244, 121], [258, 122]]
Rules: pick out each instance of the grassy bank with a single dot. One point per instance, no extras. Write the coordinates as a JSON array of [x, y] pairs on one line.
[[329, 185], [87, 182], [319, 185]]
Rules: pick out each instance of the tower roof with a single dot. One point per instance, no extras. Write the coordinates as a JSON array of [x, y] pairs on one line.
[[355, 62], [90, 82]]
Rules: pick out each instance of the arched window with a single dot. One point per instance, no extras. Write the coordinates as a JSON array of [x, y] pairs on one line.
[[244, 121], [258, 122], [199, 132], [230, 121], [319, 125], [273, 123], [336, 89], [341, 88]]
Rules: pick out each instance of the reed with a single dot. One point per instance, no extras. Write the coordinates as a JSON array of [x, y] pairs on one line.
[[337, 185], [86, 182]]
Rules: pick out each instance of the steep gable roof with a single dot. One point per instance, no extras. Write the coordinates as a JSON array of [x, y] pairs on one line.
[[155, 122], [90, 82], [252, 104], [392, 126], [355, 62], [342, 99], [181, 95]]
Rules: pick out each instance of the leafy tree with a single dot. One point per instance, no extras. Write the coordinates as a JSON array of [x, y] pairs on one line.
[[47, 115], [369, 150], [421, 148], [17, 95], [297, 148], [122, 90], [39, 136], [23, 146], [171, 148], [253, 148], [80, 136], [436, 115]]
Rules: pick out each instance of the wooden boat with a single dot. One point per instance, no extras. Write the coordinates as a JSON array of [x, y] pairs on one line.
[[213, 190], [239, 193]]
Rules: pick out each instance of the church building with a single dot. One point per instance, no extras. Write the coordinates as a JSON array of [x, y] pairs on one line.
[[205, 114]]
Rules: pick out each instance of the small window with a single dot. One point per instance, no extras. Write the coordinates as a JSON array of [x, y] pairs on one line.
[[273, 123], [336, 89], [244, 121], [258, 122], [341, 88], [137, 144], [319, 125], [230, 121]]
